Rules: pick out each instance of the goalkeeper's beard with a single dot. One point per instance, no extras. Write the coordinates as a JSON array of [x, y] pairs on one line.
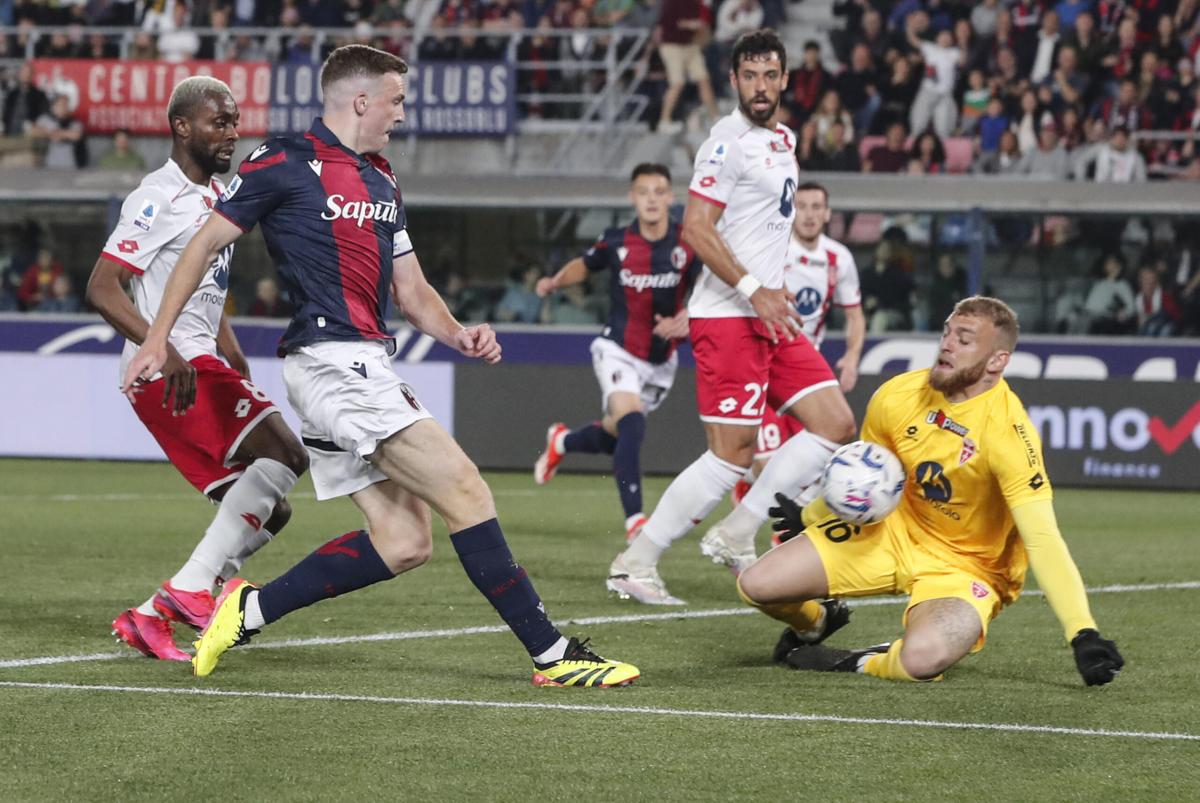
[[958, 380]]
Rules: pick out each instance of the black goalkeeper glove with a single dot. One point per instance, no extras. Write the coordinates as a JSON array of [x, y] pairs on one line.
[[790, 518], [1096, 658]]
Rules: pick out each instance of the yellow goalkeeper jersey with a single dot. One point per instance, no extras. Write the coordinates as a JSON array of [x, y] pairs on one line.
[[967, 466]]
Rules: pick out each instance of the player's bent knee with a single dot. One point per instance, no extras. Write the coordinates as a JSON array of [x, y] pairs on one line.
[[295, 458], [280, 517], [925, 656]]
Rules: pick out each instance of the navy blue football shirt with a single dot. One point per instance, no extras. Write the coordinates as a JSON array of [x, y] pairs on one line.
[[646, 278], [333, 221]]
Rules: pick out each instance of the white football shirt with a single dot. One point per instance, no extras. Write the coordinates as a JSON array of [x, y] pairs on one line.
[[819, 278], [750, 172], [158, 220]]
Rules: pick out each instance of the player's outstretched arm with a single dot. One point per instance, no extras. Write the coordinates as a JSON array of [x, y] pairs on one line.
[[571, 273], [856, 335], [424, 308], [773, 307], [1096, 658], [106, 291], [215, 234]]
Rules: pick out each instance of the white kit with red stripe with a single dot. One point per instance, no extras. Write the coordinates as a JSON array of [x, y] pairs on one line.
[[819, 278], [158, 220], [751, 173]]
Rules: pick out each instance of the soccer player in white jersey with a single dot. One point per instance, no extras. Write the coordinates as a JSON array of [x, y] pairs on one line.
[[745, 331], [221, 432], [819, 274]]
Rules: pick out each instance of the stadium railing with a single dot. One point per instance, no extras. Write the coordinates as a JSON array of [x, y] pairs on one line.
[[596, 96]]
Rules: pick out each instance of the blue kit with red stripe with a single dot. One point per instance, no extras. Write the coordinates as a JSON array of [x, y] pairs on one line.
[[646, 278], [333, 220]]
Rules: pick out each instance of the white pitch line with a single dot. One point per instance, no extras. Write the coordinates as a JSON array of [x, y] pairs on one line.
[[405, 635], [616, 709]]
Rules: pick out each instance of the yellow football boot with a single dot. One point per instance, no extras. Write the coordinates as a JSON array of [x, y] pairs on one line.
[[225, 629], [579, 666]]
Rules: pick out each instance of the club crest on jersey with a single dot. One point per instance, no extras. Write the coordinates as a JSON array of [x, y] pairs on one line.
[[942, 421], [717, 157], [968, 451], [622, 252], [232, 189], [147, 211], [338, 208], [679, 257]]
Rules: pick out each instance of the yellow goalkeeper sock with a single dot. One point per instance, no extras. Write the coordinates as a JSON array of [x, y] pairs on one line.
[[887, 665], [803, 617]]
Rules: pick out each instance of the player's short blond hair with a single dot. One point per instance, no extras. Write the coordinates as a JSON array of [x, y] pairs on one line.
[[190, 94], [1000, 314]]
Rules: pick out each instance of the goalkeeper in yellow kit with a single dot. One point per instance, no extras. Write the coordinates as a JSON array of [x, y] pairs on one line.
[[976, 512]]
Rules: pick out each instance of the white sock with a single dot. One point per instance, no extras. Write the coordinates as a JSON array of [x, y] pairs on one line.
[[797, 464], [246, 507], [688, 499], [252, 618], [555, 653], [251, 545], [147, 607]]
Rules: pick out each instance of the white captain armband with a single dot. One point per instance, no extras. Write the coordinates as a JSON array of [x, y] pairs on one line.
[[401, 244]]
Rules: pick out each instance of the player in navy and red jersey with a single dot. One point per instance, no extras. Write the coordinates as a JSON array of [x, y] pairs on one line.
[[232, 445], [650, 273], [334, 222]]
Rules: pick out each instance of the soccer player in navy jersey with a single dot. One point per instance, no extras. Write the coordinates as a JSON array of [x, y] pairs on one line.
[[650, 272], [334, 222]]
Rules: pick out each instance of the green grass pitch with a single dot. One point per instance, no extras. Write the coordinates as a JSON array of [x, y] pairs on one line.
[[454, 717]]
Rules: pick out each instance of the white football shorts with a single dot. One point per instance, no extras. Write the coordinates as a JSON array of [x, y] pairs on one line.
[[348, 398], [620, 372]]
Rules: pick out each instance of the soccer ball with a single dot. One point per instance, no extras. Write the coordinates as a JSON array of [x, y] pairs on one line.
[[862, 482]]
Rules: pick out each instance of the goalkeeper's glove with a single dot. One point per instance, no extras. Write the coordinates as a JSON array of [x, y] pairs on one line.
[[790, 518], [1096, 658]]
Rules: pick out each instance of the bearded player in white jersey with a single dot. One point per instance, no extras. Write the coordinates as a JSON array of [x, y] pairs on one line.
[[745, 330], [219, 430], [819, 274]]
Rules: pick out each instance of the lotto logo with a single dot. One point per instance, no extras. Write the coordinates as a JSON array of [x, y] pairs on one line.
[[127, 246], [708, 181], [727, 405]]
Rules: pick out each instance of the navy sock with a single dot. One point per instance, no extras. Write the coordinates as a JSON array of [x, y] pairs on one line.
[[591, 439], [346, 563], [495, 572], [627, 461]]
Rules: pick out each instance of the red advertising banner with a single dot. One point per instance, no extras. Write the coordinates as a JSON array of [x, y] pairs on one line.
[[133, 95]]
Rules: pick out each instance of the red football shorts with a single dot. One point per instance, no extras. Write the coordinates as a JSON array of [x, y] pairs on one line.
[[201, 443], [774, 431], [739, 371]]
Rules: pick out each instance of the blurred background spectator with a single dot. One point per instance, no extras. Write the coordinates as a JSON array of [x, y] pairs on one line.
[[37, 280], [268, 301], [122, 156]]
